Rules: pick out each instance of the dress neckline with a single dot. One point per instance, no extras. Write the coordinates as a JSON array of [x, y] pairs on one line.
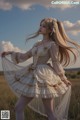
[[44, 44]]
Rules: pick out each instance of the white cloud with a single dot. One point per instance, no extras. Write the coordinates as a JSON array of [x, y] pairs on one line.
[[8, 46], [24, 6], [27, 4], [5, 5], [72, 28], [61, 6]]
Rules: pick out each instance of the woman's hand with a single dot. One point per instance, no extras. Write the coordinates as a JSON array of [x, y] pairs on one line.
[[5, 53], [67, 82]]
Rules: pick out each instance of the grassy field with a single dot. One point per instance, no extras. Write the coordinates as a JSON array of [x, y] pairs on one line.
[[8, 100]]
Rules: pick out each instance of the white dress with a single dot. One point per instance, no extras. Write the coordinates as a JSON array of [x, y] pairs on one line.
[[39, 79]]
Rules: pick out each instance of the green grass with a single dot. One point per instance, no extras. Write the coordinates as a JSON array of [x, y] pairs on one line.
[[8, 101]]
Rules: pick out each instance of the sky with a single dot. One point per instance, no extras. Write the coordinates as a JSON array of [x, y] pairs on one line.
[[20, 18]]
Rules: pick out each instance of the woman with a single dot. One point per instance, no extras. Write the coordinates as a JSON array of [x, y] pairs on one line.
[[41, 85]]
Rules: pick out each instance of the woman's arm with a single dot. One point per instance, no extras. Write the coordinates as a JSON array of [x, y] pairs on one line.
[[55, 62], [18, 57]]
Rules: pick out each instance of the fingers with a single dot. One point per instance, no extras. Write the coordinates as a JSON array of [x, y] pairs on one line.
[[67, 82], [3, 54]]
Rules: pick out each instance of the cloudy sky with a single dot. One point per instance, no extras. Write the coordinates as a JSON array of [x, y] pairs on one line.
[[19, 18]]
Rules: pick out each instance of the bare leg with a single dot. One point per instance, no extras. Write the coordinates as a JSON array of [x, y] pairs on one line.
[[48, 104], [21, 104]]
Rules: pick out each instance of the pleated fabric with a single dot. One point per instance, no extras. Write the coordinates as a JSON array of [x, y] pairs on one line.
[[41, 82]]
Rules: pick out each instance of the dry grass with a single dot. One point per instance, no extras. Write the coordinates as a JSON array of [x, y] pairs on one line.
[[8, 101]]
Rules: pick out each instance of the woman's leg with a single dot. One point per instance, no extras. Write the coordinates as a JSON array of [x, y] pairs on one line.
[[19, 107], [48, 104]]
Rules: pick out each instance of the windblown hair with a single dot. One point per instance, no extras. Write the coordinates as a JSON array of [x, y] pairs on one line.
[[58, 34]]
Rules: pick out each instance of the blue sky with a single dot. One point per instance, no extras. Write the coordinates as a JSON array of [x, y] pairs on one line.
[[17, 22]]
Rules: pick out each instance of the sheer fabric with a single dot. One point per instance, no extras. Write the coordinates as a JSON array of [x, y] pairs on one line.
[[39, 79]]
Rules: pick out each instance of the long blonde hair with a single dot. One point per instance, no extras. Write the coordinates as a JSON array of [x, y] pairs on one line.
[[59, 35]]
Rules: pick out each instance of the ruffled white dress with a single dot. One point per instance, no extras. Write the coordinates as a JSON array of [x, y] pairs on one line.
[[39, 79]]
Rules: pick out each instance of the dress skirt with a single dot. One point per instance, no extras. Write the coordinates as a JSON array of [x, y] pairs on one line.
[[40, 82]]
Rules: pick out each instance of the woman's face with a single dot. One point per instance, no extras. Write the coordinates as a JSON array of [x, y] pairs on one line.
[[43, 28]]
